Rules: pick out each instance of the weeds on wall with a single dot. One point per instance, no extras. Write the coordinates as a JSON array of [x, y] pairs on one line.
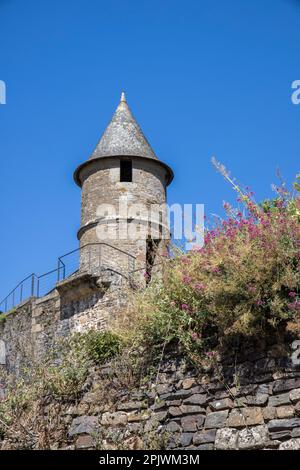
[[243, 284]]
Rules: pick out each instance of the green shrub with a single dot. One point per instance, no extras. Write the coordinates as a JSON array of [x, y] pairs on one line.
[[244, 282], [102, 346]]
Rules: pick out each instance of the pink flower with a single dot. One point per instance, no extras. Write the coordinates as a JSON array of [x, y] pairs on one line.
[[216, 270], [186, 279], [294, 305], [146, 275], [251, 289], [195, 336], [199, 286], [292, 294], [185, 307]]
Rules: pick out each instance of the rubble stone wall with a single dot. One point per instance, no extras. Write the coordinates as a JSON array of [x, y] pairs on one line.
[[253, 405], [29, 332]]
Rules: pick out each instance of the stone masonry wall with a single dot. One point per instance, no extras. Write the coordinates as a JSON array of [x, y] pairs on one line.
[[101, 185], [254, 405], [77, 305], [15, 333], [244, 402]]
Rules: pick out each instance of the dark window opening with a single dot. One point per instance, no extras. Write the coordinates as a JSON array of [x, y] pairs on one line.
[[151, 251], [160, 225], [126, 171]]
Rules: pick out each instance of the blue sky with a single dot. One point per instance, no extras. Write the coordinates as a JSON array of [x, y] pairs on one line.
[[202, 77]]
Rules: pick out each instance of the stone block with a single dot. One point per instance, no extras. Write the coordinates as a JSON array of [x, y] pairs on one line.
[[161, 415], [296, 432], [173, 426], [285, 411], [186, 439], [136, 416], [292, 444], [119, 418], [279, 400], [37, 328], [182, 393], [297, 408], [2, 353], [191, 409], [295, 395], [84, 442], [196, 399], [216, 419], [84, 425], [224, 404], [260, 399], [226, 439], [253, 416], [280, 435], [188, 383], [206, 447], [131, 405], [253, 438], [283, 424], [285, 385], [163, 388], [192, 422], [269, 413], [175, 411], [236, 419], [173, 402], [245, 417], [204, 437]]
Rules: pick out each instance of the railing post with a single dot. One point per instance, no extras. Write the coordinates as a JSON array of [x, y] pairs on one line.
[[38, 287], [32, 285], [58, 270]]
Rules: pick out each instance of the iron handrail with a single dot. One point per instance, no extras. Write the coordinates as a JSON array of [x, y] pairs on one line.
[[35, 286], [33, 275]]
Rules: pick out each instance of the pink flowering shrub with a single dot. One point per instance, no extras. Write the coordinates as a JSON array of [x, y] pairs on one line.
[[243, 282]]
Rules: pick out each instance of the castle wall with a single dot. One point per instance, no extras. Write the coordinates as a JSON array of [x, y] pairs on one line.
[[248, 402], [30, 332], [15, 335]]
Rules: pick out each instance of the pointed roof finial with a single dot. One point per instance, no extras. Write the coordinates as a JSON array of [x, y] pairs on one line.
[[123, 137]]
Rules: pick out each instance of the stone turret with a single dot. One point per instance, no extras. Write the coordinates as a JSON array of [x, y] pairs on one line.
[[123, 216]]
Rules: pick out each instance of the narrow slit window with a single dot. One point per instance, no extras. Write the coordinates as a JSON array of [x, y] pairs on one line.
[[126, 171]]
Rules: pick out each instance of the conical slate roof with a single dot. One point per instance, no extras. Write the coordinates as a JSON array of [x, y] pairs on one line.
[[123, 136]]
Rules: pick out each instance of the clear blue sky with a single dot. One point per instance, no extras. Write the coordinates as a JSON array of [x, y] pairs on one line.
[[203, 78]]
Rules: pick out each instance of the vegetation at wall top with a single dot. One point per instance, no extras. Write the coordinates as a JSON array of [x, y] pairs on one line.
[[243, 283]]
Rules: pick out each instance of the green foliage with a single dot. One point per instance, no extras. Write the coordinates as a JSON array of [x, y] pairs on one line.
[[3, 316], [244, 282], [297, 183], [102, 346]]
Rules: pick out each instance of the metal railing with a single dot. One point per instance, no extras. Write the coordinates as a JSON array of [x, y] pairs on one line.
[[93, 258]]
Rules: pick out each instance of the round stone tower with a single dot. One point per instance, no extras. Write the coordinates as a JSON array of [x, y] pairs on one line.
[[123, 216]]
